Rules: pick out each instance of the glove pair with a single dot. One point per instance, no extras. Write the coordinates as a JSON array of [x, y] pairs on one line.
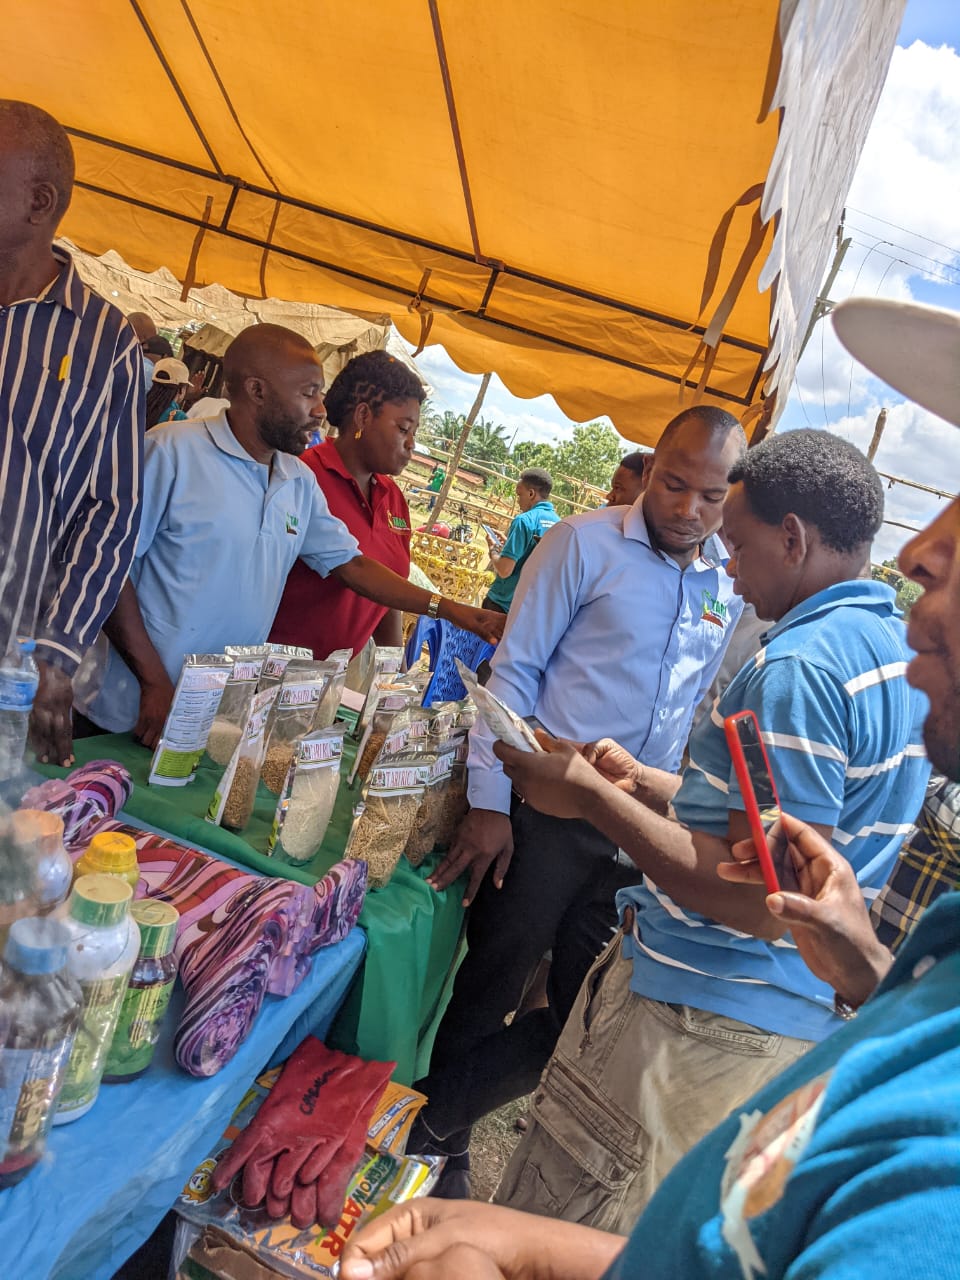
[[300, 1150]]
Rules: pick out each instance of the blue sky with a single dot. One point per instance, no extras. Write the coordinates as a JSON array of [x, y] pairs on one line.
[[903, 215]]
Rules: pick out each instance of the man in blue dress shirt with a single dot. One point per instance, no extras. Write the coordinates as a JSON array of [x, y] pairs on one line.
[[620, 619]]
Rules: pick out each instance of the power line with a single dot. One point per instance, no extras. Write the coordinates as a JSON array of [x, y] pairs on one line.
[[905, 248], [925, 272], [796, 387], [919, 234]]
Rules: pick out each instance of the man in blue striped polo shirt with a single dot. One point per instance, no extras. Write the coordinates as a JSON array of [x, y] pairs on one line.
[[701, 999], [71, 409]]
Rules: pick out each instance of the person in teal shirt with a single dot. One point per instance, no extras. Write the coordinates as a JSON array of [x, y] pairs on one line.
[[535, 518]]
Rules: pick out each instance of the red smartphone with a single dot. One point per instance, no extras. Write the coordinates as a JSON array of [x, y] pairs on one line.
[[760, 798]]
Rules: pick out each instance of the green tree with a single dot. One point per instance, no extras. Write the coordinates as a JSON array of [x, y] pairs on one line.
[[533, 453], [592, 454], [487, 442], [908, 593]]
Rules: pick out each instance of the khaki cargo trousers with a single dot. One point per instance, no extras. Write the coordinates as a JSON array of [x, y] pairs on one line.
[[632, 1085]]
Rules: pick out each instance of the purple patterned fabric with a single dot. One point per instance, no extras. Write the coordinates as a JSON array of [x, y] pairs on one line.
[[241, 936], [86, 799]]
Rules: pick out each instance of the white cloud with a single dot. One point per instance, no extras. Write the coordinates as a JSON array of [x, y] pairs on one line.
[[908, 175], [911, 435]]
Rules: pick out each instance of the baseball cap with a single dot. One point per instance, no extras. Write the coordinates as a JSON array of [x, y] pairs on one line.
[[172, 372], [913, 348]]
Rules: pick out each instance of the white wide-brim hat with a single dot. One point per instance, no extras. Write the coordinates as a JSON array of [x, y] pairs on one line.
[[913, 348]]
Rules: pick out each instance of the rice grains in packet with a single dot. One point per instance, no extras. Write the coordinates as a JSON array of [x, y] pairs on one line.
[[189, 720], [308, 797]]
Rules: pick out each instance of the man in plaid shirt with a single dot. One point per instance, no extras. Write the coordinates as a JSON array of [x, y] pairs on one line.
[[928, 865]]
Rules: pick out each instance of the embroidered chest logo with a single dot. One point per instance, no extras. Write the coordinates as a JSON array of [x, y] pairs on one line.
[[398, 524], [293, 523], [714, 610]]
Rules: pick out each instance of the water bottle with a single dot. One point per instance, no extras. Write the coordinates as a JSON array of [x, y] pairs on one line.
[[19, 678]]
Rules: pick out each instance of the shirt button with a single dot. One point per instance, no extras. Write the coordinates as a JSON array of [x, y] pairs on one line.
[[923, 967]]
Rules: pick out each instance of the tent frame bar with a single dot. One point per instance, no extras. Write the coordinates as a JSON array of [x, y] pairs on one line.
[[336, 269], [496, 268]]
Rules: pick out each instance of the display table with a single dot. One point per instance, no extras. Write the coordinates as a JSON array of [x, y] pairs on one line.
[[414, 933], [109, 1178]]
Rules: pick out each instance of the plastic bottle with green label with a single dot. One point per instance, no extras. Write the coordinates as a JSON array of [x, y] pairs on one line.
[[148, 992], [104, 943]]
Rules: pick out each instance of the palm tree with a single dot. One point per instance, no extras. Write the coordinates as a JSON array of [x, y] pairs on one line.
[[488, 442]]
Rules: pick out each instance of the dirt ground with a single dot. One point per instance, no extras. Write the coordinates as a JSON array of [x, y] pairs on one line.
[[494, 1139]]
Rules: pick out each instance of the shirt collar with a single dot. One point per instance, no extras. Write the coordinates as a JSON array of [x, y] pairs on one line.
[[862, 593], [66, 288], [711, 556], [218, 429], [328, 455]]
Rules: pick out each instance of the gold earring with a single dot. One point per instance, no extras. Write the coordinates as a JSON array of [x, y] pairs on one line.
[[358, 433]]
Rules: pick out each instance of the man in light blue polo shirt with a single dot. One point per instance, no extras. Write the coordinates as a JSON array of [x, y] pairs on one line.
[[621, 619], [228, 508], [537, 515], [702, 999]]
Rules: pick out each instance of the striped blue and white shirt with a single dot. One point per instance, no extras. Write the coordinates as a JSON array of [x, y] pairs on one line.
[[842, 729], [72, 402]]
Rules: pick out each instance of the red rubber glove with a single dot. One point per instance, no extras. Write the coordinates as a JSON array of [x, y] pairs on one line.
[[290, 1123]]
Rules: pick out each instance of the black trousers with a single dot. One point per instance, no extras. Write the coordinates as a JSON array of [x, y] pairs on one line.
[[558, 895]]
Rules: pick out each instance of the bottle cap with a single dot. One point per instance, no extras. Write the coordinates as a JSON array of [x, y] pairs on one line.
[[26, 644], [112, 852], [36, 945], [100, 900], [37, 826], [158, 927]]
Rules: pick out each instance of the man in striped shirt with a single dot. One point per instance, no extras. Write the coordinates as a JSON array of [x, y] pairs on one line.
[[71, 404], [702, 999]]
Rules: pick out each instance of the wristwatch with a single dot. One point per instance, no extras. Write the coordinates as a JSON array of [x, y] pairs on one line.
[[433, 608]]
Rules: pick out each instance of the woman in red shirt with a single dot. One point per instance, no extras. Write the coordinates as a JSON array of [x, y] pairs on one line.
[[374, 402]]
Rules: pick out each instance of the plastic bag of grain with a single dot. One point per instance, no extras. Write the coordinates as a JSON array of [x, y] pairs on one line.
[[383, 820], [241, 688], [308, 797], [234, 799]]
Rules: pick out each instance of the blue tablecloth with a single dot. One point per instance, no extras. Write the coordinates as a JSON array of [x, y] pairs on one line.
[[109, 1178]]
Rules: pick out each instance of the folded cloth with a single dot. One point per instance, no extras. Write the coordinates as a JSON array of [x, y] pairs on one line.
[[240, 937], [86, 799]]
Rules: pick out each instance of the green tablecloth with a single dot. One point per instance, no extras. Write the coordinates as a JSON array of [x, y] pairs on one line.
[[413, 934]]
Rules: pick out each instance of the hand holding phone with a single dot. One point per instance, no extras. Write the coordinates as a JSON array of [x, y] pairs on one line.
[[761, 801]]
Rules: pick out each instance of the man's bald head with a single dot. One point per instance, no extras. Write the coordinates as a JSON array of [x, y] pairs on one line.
[[143, 325], [275, 384], [260, 352], [36, 163]]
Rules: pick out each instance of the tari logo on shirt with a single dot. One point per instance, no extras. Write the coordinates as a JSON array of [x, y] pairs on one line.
[[398, 524], [293, 523], [714, 610]]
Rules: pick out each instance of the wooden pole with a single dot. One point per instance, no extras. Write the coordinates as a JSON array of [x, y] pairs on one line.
[[877, 433], [470, 419]]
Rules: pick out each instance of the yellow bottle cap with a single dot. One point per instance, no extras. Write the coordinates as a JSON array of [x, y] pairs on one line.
[[111, 852]]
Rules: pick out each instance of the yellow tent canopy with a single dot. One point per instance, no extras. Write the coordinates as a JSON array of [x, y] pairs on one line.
[[583, 195]]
